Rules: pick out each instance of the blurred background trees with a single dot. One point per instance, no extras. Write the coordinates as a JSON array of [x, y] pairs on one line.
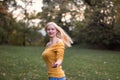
[[92, 22], [13, 31], [102, 30]]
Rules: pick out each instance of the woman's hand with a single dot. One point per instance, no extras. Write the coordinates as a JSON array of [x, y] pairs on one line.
[[56, 64]]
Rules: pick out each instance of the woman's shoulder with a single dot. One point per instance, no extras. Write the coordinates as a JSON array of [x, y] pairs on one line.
[[48, 44], [60, 43], [59, 40]]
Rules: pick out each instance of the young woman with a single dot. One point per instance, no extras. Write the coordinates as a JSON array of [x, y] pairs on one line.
[[54, 53]]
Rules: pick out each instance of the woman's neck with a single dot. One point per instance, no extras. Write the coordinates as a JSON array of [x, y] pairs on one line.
[[53, 39]]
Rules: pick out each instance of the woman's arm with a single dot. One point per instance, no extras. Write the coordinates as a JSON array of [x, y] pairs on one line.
[[59, 56]]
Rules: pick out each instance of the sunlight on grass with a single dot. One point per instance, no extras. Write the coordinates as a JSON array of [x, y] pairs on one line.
[[25, 63]]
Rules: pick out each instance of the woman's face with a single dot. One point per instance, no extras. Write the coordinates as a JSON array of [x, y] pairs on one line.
[[51, 31]]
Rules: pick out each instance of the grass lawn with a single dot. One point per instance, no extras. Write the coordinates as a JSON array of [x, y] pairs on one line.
[[25, 63]]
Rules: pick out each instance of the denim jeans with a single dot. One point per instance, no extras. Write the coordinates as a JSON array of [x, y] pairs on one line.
[[51, 78]]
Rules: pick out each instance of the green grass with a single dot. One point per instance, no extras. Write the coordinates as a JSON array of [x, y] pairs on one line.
[[25, 63]]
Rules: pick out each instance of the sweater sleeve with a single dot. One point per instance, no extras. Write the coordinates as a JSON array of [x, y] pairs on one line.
[[60, 52]]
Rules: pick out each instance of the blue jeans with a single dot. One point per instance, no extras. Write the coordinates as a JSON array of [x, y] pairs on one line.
[[51, 78]]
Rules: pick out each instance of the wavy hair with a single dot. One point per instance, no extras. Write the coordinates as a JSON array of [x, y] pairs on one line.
[[61, 34]]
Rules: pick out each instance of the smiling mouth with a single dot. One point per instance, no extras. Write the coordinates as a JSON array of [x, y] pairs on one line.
[[50, 33]]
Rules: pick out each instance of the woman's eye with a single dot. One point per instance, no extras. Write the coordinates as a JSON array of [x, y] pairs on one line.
[[52, 29]]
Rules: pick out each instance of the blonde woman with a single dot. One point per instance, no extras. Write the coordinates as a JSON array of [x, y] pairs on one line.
[[54, 52]]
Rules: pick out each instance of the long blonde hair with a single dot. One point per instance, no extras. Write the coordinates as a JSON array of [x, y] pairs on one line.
[[61, 34]]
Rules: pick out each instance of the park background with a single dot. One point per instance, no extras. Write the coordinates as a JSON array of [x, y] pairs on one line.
[[94, 26]]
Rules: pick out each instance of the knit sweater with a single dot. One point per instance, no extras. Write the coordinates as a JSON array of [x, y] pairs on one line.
[[51, 55]]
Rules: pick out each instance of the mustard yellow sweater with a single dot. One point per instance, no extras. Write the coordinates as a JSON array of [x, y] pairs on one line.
[[51, 55]]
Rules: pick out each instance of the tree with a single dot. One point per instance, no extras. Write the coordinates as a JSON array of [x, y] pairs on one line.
[[25, 19], [100, 29], [63, 12], [13, 31], [116, 40], [5, 20]]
